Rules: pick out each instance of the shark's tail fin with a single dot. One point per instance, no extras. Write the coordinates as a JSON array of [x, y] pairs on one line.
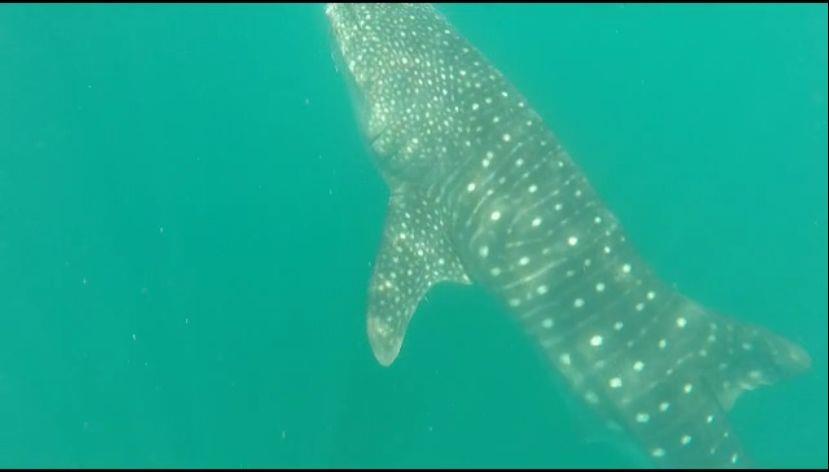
[[738, 357], [748, 356], [680, 416]]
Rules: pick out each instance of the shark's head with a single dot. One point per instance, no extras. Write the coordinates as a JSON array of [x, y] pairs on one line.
[[403, 79], [406, 67]]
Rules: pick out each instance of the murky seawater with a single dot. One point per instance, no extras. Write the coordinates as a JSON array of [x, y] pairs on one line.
[[188, 221]]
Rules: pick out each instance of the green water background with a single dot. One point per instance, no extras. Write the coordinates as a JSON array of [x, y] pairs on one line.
[[188, 220]]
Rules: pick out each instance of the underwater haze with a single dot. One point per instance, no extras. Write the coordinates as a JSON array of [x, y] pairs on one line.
[[189, 219]]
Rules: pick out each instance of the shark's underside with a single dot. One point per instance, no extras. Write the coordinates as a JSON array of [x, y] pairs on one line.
[[482, 192]]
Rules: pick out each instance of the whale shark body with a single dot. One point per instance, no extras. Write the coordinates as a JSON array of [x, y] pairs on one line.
[[482, 192]]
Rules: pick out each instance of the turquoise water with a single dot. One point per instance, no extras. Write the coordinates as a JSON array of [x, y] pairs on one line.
[[188, 220]]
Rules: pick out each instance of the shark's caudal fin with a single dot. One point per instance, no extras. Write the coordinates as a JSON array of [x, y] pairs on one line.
[[414, 255], [679, 415], [750, 356]]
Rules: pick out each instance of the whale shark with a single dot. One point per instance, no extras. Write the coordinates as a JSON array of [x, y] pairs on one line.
[[482, 192]]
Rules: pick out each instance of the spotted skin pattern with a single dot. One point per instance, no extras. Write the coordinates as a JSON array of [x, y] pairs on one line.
[[482, 192]]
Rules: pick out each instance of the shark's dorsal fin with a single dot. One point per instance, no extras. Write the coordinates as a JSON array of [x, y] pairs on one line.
[[414, 255]]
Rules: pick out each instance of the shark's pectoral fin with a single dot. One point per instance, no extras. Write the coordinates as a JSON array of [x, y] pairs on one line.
[[415, 255]]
